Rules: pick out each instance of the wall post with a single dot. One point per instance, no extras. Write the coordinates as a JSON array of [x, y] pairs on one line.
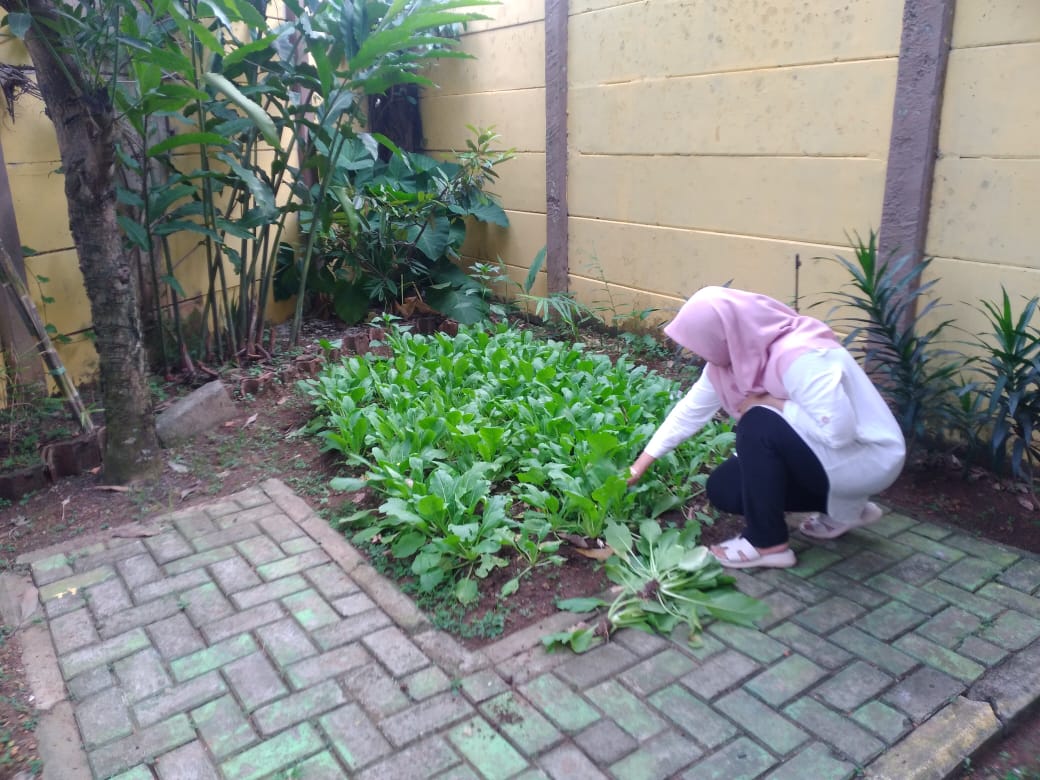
[[923, 53], [556, 212]]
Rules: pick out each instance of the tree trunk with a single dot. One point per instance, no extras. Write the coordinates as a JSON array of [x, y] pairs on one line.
[[84, 121]]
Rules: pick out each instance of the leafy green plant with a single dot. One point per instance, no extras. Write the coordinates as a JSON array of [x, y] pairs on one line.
[[665, 579], [395, 228], [493, 443], [1011, 369], [889, 327]]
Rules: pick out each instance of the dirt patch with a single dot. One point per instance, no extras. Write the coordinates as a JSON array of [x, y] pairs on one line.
[[263, 442]]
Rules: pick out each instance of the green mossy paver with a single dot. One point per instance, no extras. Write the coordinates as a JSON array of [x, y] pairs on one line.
[[761, 722], [103, 653], [890, 620], [223, 726], [49, 569], [937, 657], [917, 598], [426, 683], [150, 742], [813, 561], [199, 560], [977, 605], [863, 565], [742, 759], [828, 615], [310, 610], [749, 641], [1023, 576], [70, 586], [719, 673], [950, 626], [891, 524], [703, 648], [1011, 598], [521, 723], [850, 589], [971, 573], [986, 653], [213, 657], [815, 762], [785, 680], [657, 759], [811, 645], [353, 736], [657, 671], [1012, 630], [692, 716], [853, 685], [928, 547], [320, 767], [934, 532], [493, 757], [626, 710], [838, 731], [139, 772], [484, 684], [888, 723], [567, 709], [870, 649], [885, 548], [280, 752], [984, 548], [301, 544], [299, 707]]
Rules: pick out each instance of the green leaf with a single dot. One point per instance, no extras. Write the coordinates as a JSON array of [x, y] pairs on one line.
[[577, 639], [261, 191], [407, 545], [619, 539], [134, 232], [650, 530], [173, 284], [18, 24], [582, 604], [186, 139], [260, 117], [466, 591], [509, 588], [347, 484]]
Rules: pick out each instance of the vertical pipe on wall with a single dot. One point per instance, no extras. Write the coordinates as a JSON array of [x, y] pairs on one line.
[[556, 213], [923, 53]]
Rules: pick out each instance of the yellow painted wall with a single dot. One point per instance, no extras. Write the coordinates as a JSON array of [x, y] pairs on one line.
[[986, 195], [708, 142]]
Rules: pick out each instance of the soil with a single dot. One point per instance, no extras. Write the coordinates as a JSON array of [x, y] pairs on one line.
[[261, 443]]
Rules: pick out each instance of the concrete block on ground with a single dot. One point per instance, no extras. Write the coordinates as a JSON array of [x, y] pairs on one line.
[[201, 410]]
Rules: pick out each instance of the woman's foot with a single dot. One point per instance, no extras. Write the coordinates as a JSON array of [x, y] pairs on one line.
[[739, 553], [823, 526]]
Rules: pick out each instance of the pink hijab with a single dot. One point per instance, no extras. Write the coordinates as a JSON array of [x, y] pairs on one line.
[[748, 340]]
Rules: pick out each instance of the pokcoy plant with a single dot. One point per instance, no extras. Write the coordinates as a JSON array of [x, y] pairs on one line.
[[664, 579], [494, 443]]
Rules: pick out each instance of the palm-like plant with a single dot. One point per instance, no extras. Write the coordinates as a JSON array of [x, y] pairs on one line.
[[891, 327]]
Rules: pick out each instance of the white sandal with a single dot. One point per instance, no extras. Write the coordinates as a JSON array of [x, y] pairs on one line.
[[823, 526], [739, 553]]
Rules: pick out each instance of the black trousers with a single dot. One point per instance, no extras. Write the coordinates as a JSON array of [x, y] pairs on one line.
[[773, 472]]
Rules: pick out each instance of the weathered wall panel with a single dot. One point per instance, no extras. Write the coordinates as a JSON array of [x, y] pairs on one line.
[[693, 37], [987, 177], [707, 141]]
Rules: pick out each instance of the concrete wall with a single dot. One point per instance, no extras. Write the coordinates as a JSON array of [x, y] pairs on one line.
[[986, 196], [708, 142]]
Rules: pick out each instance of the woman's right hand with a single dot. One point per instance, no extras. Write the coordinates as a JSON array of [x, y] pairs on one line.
[[638, 468]]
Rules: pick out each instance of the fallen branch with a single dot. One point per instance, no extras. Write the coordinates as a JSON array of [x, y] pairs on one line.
[[31, 317]]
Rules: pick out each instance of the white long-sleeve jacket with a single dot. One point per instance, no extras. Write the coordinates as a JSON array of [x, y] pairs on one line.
[[834, 407]]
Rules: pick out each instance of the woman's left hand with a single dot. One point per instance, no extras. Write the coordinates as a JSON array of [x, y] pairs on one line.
[[760, 399]]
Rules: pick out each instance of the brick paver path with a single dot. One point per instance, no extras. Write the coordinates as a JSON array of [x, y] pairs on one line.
[[245, 639]]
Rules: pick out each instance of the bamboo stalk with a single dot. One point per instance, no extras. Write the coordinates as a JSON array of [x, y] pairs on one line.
[[31, 317]]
